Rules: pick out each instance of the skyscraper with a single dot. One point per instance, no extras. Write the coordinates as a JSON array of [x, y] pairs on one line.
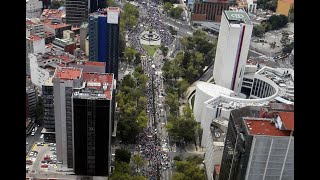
[[232, 49], [93, 119], [259, 145], [104, 38], [64, 80], [76, 11], [94, 5]]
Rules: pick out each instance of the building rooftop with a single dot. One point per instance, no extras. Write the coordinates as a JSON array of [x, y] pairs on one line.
[[52, 14], [265, 127], [56, 26], [281, 106], [287, 119], [94, 63], [34, 38], [48, 82], [67, 73], [97, 85], [240, 16]]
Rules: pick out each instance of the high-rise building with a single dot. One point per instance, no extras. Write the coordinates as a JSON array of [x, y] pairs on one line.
[[83, 35], [31, 101], [258, 146], [93, 119], [94, 5], [104, 38], [208, 10], [284, 6], [76, 11], [232, 49], [33, 8], [64, 80], [48, 114]]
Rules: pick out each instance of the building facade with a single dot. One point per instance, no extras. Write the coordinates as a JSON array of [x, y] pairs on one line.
[[64, 80], [83, 35], [208, 10], [93, 119], [104, 39], [232, 49], [31, 101], [48, 106], [76, 11], [33, 8], [284, 6], [94, 5], [258, 147]]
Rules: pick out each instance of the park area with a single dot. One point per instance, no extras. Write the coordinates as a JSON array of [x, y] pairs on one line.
[[151, 49]]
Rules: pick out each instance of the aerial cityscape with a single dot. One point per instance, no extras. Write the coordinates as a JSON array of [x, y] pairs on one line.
[[160, 89]]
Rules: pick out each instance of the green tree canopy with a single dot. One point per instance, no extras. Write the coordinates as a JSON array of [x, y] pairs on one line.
[[130, 54], [122, 155], [167, 6], [258, 30], [176, 12]]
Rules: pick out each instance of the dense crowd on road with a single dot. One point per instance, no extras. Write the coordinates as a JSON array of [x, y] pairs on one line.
[[150, 140]]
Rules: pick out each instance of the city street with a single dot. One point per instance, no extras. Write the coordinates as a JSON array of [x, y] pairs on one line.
[[33, 139]]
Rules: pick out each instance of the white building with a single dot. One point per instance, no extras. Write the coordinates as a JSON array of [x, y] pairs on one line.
[[33, 8], [252, 6], [34, 44], [232, 49], [37, 73]]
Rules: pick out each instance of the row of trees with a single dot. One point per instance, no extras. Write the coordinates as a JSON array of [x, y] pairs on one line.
[[189, 169], [267, 5], [128, 20], [132, 55], [123, 170], [174, 12], [132, 104], [275, 22], [189, 65]]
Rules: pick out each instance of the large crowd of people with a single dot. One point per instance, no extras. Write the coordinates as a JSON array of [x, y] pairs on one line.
[[150, 142]]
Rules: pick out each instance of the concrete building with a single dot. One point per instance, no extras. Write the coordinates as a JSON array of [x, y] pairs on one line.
[[35, 27], [208, 10], [284, 6], [48, 117], [56, 29], [252, 6], [76, 11], [64, 80], [83, 35], [89, 66], [258, 147], [94, 5], [214, 148], [53, 15], [66, 45], [31, 101], [104, 38], [92, 121], [34, 44], [33, 8], [232, 49]]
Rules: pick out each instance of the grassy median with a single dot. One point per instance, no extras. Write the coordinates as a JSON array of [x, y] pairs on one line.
[[151, 49]]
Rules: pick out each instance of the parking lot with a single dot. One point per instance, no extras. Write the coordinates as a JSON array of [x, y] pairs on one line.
[[42, 159]]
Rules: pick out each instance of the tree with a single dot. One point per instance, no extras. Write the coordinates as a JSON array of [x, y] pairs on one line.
[[183, 85], [56, 4], [172, 31], [167, 6], [122, 155], [176, 12], [178, 176], [130, 54], [277, 22], [258, 30], [177, 158], [111, 3], [137, 59], [138, 161], [164, 50], [288, 48]]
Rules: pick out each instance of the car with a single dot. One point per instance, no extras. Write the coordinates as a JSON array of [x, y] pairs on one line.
[[40, 144], [41, 137], [59, 162], [52, 149], [32, 134], [27, 143]]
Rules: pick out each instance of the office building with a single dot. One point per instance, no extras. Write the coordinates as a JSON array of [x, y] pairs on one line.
[[284, 6], [208, 10], [104, 38], [258, 147], [33, 8], [48, 114], [34, 44], [93, 119], [56, 28], [64, 80], [94, 5], [232, 49], [252, 6], [83, 35], [76, 11], [31, 101]]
